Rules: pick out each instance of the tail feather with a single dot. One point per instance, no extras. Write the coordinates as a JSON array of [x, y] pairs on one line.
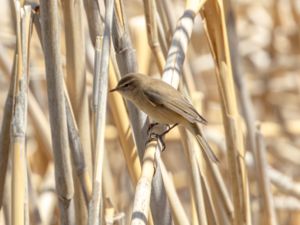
[[206, 148], [202, 142]]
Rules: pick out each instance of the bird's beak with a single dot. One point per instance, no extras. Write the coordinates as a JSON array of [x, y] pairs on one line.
[[115, 89]]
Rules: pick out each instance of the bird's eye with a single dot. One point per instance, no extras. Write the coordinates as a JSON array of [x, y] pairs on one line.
[[126, 85]]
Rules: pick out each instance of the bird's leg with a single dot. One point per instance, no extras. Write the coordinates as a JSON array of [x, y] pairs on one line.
[[168, 130], [159, 137], [161, 141], [151, 125]]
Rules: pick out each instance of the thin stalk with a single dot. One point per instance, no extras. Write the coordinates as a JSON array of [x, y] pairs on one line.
[[268, 215], [92, 9], [20, 207], [76, 74], [76, 85], [177, 207], [58, 120], [77, 153], [120, 117], [94, 207], [190, 144], [152, 33], [284, 183], [5, 130], [141, 203], [7, 199]]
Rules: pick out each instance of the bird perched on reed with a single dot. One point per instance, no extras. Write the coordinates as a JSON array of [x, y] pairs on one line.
[[164, 104]]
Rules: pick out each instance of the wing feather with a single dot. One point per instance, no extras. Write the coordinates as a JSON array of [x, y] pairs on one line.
[[176, 102]]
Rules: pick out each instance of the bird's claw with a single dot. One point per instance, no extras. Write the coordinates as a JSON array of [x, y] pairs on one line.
[[158, 137], [151, 125]]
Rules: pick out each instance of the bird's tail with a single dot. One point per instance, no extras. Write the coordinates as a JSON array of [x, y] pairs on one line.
[[206, 148], [203, 143]]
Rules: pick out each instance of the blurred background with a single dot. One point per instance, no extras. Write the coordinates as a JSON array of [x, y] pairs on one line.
[[268, 52]]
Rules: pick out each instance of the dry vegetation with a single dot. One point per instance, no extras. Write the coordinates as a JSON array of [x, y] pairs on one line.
[[66, 158]]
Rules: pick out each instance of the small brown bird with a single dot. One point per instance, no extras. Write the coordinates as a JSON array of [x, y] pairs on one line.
[[164, 104]]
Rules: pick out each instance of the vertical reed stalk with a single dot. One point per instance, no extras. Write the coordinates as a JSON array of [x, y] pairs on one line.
[[20, 210], [177, 208], [94, 207], [92, 9], [77, 154], [268, 216], [151, 24], [218, 39], [141, 203], [57, 110], [76, 84], [76, 76], [5, 129], [122, 122], [197, 185]]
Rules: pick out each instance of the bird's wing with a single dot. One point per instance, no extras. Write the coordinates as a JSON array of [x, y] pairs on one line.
[[176, 102]]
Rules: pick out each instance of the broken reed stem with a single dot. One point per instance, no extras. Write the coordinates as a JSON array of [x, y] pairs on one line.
[[94, 207], [151, 24], [57, 109], [141, 203], [267, 206]]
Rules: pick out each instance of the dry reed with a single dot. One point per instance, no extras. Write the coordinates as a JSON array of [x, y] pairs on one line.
[[89, 162]]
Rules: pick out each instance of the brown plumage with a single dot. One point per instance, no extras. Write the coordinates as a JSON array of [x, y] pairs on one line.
[[164, 104]]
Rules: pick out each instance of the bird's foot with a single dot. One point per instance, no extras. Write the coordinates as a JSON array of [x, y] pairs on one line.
[[150, 127], [159, 138]]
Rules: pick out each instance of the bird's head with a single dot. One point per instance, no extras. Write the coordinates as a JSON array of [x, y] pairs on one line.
[[129, 85]]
